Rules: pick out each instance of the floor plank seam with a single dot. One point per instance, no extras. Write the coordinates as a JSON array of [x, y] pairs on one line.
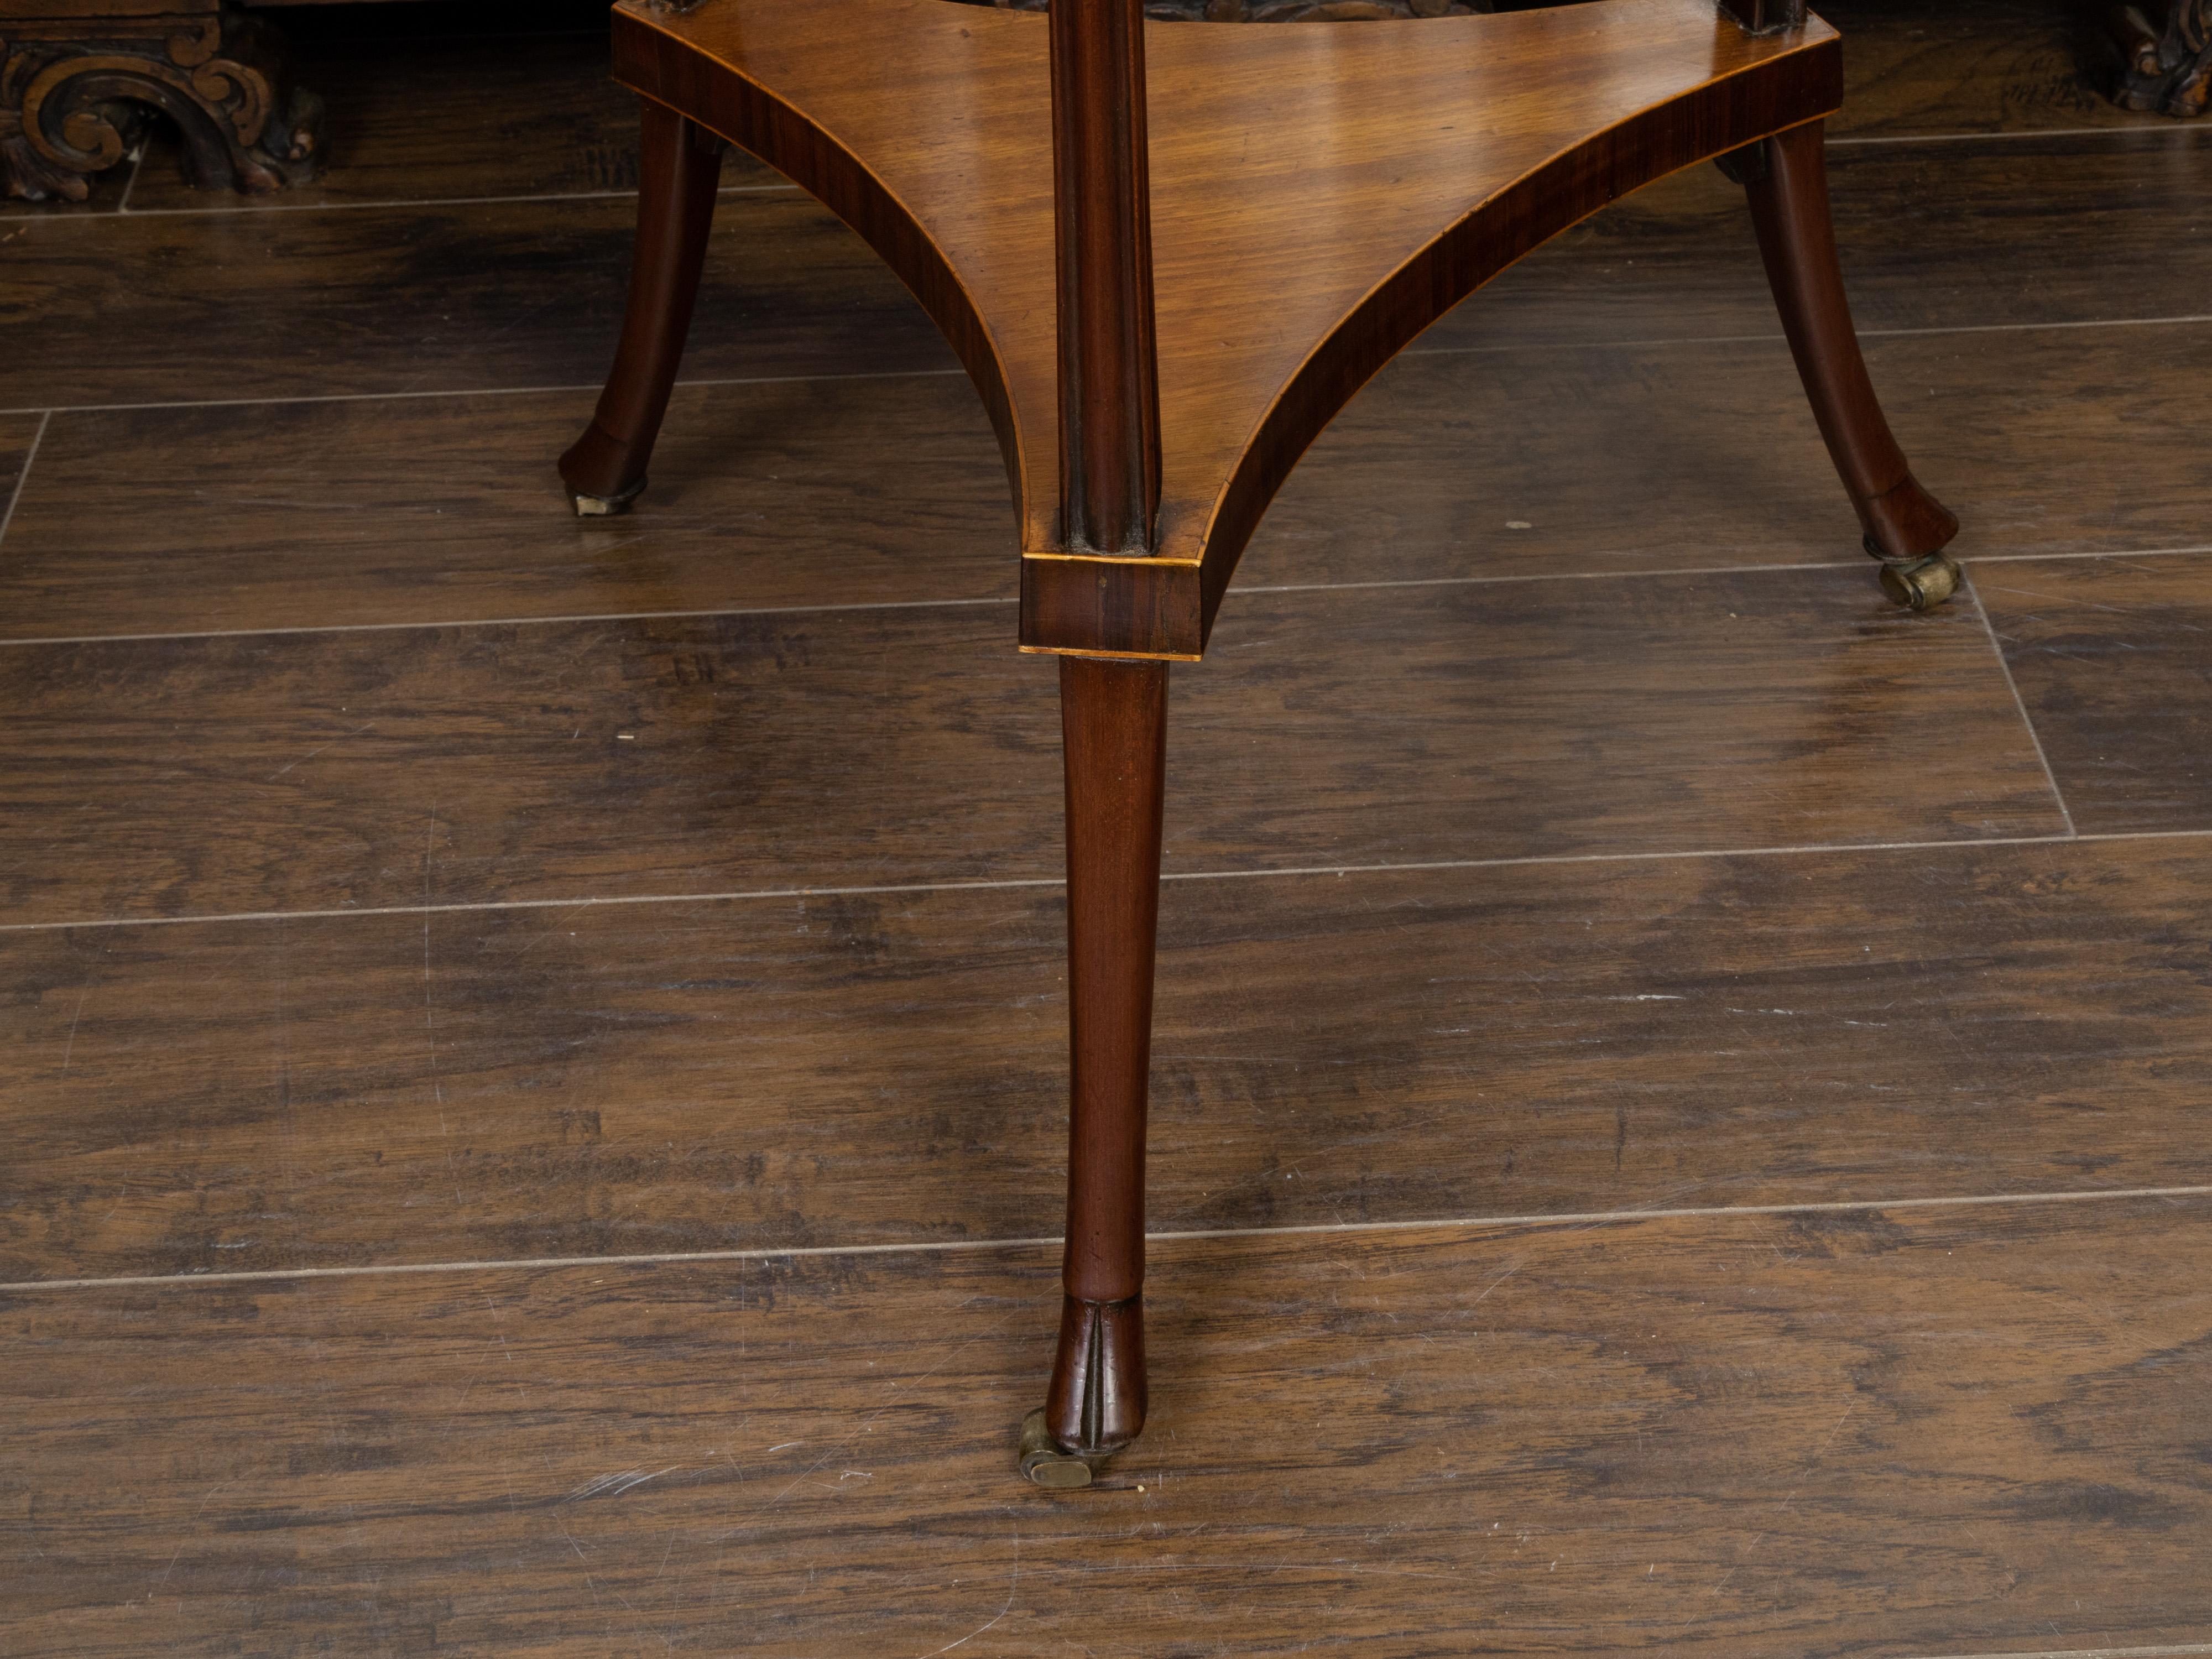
[[475, 392], [567, 618], [2166, 129], [2185, 319], [1539, 1221], [406, 205], [1504, 347], [514, 622], [23, 473], [433, 41], [2027, 720], [749, 894], [2180, 1652]]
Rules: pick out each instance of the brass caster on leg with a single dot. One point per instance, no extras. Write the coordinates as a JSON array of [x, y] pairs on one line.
[[605, 507], [1044, 1464], [1095, 1405], [1921, 584]]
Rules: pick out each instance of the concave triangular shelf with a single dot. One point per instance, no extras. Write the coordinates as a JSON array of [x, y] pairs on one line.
[[1320, 192]]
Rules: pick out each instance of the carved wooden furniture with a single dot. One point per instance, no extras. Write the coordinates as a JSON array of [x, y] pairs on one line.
[[78, 77], [1080, 204], [2168, 67]]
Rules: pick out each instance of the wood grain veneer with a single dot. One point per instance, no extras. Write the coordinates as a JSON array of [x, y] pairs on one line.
[[1362, 238]]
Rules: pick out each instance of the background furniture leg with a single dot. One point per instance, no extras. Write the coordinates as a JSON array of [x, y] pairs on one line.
[[2168, 67], [74, 90], [1765, 16], [1786, 178], [1114, 729], [679, 166]]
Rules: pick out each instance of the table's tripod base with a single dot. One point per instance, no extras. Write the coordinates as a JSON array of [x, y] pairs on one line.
[[922, 126]]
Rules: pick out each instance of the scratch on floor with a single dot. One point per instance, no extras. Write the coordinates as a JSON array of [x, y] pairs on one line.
[[318, 750], [869, 1422], [70, 1047], [1513, 1269], [1013, 1580], [613, 1485], [429, 1014], [1788, 1499]]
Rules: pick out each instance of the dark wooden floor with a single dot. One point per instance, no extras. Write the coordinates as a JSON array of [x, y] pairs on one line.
[[531, 1053]]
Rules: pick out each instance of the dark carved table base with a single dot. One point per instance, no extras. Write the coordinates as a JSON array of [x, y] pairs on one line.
[[2168, 69], [75, 84]]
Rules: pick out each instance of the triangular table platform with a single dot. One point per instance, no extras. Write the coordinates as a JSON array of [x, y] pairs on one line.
[[1320, 192]]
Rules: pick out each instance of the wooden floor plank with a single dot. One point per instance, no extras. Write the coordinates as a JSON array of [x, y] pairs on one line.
[[427, 299], [105, 194], [1869, 1434], [827, 492], [409, 119], [1381, 1047], [1981, 232], [18, 433], [577, 760], [2111, 663], [884, 491], [1712, 458], [1996, 231]]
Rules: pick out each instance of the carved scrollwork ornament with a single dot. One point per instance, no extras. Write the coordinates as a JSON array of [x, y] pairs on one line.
[[75, 93], [2168, 68]]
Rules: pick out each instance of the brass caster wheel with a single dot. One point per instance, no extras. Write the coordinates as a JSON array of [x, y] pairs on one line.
[[1922, 584], [1044, 1463], [605, 507]]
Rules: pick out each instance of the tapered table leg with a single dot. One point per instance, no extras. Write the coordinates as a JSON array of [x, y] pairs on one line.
[[679, 166], [1786, 178], [1114, 727]]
